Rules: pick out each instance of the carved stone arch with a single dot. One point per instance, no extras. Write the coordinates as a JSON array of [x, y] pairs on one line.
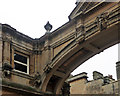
[[76, 54]]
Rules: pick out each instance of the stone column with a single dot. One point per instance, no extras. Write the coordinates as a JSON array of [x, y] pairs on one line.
[[118, 75]]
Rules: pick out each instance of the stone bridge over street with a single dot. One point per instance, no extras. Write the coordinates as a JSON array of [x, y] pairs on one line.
[[92, 28], [85, 35]]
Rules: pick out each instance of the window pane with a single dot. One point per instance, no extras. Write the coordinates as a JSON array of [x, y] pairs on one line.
[[20, 67], [20, 58]]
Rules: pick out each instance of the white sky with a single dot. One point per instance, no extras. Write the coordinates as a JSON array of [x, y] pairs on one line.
[[30, 16]]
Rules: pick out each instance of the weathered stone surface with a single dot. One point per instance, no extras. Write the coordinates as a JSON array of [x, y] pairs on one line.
[[6, 53], [96, 86], [62, 50]]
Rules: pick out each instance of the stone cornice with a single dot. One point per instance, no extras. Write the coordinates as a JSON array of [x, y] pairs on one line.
[[13, 32], [77, 12], [20, 47], [101, 4], [78, 77], [88, 28], [20, 88]]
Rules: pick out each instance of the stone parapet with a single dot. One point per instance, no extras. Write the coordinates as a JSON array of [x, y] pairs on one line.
[[78, 76]]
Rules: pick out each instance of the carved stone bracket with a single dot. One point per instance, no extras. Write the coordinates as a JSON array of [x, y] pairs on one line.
[[81, 34], [48, 68], [102, 20], [36, 81], [6, 69], [82, 29]]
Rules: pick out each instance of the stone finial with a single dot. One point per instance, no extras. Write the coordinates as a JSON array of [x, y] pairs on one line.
[[48, 27]]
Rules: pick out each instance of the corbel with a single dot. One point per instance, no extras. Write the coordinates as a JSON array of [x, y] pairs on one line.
[[48, 68], [36, 81], [6, 69]]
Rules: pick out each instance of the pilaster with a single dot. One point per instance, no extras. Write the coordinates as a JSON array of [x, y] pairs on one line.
[[6, 52], [32, 63], [47, 49], [36, 62], [12, 57]]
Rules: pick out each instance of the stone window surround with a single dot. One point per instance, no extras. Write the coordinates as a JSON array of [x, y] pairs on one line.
[[25, 55]]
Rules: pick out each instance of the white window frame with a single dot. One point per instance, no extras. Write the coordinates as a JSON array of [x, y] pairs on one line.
[[27, 65]]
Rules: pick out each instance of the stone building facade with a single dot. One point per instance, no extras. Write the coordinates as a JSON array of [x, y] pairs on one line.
[[18, 61], [41, 66], [22, 63], [79, 84]]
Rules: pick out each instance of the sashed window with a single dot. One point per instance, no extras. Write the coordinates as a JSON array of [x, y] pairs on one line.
[[21, 63]]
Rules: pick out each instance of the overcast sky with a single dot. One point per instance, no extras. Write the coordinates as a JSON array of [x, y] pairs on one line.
[[30, 16]]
